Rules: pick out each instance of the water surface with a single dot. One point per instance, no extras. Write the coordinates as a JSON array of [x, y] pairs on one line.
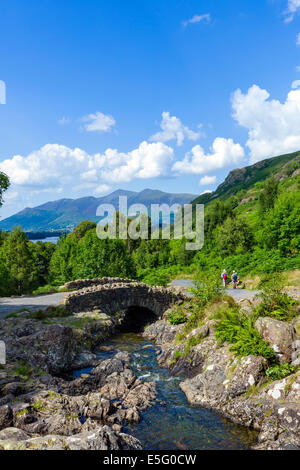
[[173, 423]]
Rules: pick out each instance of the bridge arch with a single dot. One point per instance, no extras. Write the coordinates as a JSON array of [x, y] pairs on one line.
[[114, 296]]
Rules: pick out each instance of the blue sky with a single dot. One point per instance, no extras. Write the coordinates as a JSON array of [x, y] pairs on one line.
[[87, 83]]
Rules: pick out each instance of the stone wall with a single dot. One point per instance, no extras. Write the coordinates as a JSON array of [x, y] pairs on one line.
[[113, 297], [82, 283]]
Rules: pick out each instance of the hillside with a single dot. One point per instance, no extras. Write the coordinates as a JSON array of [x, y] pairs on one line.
[[245, 178], [64, 214]]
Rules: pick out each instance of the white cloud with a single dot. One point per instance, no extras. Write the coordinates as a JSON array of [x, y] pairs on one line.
[[98, 122], [197, 19], [296, 84], [224, 154], [207, 191], [57, 166], [64, 120], [173, 129], [292, 9], [298, 39], [208, 180], [273, 127], [102, 189]]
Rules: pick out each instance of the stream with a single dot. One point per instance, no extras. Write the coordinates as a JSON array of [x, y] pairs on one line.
[[172, 423]]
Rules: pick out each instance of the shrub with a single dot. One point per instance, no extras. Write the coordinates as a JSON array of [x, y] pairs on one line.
[[238, 330], [177, 318], [279, 371], [207, 287], [276, 303]]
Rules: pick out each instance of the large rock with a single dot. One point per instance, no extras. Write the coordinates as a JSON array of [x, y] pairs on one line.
[[103, 438], [51, 348], [279, 335], [249, 372]]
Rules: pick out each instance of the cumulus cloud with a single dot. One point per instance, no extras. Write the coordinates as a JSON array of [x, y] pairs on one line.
[[293, 8], [57, 166], [98, 122], [173, 129], [208, 180], [102, 189], [273, 127], [224, 154], [197, 19]]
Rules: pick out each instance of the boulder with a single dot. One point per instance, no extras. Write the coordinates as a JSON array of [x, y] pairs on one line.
[[103, 438], [6, 416], [279, 335], [250, 371]]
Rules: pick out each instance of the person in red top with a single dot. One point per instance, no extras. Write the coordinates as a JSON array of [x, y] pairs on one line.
[[224, 277]]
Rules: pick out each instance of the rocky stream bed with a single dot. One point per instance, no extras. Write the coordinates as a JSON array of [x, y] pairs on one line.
[[76, 381]]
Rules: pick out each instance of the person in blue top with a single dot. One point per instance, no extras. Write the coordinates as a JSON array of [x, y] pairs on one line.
[[234, 279]]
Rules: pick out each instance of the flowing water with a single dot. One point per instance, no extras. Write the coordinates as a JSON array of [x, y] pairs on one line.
[[173, 423]]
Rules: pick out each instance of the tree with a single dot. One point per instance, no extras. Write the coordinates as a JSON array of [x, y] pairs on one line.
[[216, 214], [4, 185], [234, 235], [18, 260], [63, 260], [42, 253], [269, 194], [99, 258], [282, 225], [81, 229]]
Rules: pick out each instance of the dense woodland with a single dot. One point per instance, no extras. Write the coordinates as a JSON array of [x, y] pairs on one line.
[[255, 231]]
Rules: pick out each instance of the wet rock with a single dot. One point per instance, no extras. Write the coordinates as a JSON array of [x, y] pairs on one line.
[[84, 359], [279, 335], [162, 332]]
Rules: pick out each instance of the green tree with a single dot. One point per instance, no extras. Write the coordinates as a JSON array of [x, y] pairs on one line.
[[42, 253], [81, 229], [4, 184], [63, 260], [269, 194], [19, 261], [234, 236], [99, 258], [281, 227]]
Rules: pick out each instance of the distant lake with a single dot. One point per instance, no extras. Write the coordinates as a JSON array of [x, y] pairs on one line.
[[47, 239]]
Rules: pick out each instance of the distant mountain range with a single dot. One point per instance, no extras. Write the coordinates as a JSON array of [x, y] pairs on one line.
[[65, 214]]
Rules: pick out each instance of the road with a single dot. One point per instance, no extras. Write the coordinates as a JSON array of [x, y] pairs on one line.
[[237, 294], [14, 304], [39, 302]]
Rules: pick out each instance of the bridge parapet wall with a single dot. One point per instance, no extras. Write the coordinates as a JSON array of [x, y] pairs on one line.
[[116, 296]]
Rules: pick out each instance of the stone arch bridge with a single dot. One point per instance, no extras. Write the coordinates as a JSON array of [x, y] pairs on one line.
[[112, 295]]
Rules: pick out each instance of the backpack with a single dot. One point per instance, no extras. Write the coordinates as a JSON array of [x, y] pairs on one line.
[[235, 277], [225, 276]]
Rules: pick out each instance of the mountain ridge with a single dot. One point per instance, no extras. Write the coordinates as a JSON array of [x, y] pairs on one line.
[[64, 214]]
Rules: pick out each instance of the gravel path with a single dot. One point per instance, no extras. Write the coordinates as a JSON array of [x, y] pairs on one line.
[[237, 294], [13, 304]]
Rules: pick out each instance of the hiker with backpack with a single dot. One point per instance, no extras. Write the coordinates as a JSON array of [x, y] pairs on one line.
[[224, 277], [234, 279]]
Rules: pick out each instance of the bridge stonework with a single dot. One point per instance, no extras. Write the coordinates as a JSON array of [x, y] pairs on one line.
[[112, 295]]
